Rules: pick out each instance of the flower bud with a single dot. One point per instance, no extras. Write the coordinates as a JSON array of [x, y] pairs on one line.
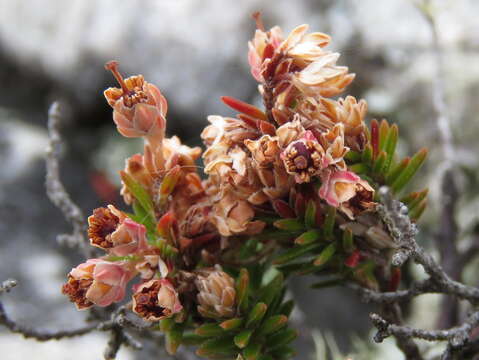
[[97, 282], [217, 295], [156, 300], [110, 230]]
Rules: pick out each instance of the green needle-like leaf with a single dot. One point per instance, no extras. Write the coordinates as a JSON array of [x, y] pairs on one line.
[[329, 221], [232, 324], [310, 215], [383, 133], [273, 324], [252, 351], [242, 339], [218, 346], [190, 339], [359, 168], [281, 338], [139, 192], [283, 353], [367, 155], [209, 330], [416, 213], [308, 237], [173, 338], [270, 291], [348, 241], [405, 176], [256, 315], [166, 324], [325, 255], [396, 170], [289, 225], [242, 286], [352, 156], [390, 146], [295, 252], [421, 195], [379, 163]]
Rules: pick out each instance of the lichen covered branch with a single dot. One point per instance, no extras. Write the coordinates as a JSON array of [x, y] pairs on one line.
[[457, 336], [56, 190]]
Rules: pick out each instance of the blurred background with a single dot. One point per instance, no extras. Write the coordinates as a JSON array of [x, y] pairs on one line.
[[195, 52]]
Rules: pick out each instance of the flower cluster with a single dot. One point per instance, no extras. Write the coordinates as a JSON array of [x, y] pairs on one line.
[[293, 184], [302, 138], [170, 219]]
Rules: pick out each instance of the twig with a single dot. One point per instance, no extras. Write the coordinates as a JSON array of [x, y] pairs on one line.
[[457, 336], [114, 343], [57, 192], [394, 214], [116, 325], [416, 288], [28, 332], [407, 345]]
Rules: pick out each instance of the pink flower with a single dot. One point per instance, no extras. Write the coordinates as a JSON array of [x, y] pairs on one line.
[[338, 186], [111, 230], [97, 282], [346, 191], [156, 299], [139, 107]]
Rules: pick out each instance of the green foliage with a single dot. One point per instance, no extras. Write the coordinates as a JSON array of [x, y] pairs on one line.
[[377, 161], [261, 333]]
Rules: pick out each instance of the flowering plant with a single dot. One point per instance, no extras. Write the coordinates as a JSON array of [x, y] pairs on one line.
[[291, 189], [299, 185]]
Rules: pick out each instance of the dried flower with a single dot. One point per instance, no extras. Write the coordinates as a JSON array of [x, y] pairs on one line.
[[151, 265], [265, 150], [262, 47], [232, 215], [111, 230], [139, 107], [97, 282], [323, 114], [156, 300], [216, 294]]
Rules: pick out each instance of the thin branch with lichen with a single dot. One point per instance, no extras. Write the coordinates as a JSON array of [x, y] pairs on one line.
[[395, 216], [56, 190]]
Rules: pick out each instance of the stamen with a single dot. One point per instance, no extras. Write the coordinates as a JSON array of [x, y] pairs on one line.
[[113, 67], [259, 21]]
